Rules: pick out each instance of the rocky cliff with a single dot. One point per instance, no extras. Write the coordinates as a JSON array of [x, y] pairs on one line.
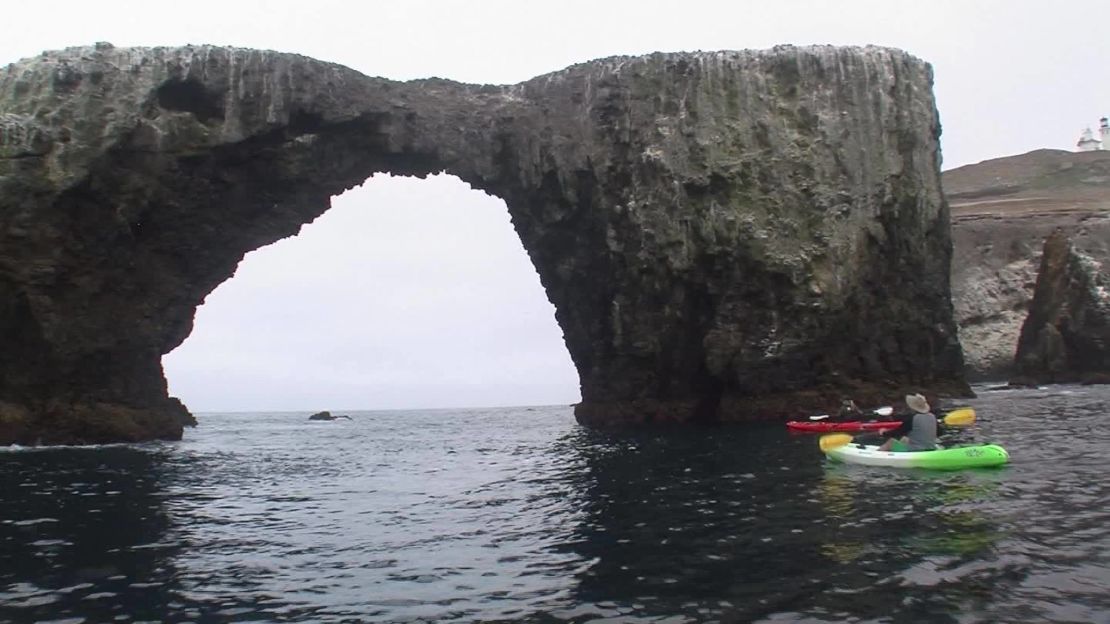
[[1002, 212], [722, 234]]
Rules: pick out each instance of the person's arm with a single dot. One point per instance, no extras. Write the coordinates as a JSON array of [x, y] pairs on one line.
[[901, 430]]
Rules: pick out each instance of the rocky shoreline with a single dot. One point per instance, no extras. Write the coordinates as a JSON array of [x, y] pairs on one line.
[[725, 236]]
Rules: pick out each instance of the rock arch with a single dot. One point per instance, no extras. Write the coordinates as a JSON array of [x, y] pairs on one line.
[[720, 233]]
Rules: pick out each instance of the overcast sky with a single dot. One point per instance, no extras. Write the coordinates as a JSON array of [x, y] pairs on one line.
[[417, 293]]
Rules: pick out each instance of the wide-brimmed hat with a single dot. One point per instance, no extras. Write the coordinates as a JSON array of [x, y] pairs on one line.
[[917, 403]]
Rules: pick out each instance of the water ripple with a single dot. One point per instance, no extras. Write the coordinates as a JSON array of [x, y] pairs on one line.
[[520, 515]]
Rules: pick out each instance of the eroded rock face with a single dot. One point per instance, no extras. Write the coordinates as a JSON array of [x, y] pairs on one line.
[[1066, 337], [722, 234]]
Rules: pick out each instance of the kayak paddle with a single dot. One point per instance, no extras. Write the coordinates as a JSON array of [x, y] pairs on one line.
[[960, 417], [956, 418], [830, 441], [881, 411]]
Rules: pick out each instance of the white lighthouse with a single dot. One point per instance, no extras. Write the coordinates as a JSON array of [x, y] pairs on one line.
[[1104, 132]]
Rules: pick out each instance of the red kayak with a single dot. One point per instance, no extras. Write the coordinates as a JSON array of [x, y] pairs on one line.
[[821, 426]]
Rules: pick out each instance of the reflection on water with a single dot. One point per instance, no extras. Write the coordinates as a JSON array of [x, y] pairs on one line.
[[520, 515], [949, 516]]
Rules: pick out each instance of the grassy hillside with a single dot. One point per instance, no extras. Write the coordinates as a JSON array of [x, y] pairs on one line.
[[1041, 180]]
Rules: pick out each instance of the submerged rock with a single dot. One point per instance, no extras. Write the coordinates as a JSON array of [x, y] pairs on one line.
[[1066, 337], [725, 236]]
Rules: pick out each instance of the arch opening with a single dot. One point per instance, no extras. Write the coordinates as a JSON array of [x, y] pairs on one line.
[[405, 294]]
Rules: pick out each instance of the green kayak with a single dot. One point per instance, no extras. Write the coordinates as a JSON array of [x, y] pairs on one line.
[[981, 456]]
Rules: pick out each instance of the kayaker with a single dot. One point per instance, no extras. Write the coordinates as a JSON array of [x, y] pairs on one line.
[[918, 431], [849, 412]]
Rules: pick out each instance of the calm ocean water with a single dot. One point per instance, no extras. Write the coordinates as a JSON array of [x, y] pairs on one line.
[[520, 515]]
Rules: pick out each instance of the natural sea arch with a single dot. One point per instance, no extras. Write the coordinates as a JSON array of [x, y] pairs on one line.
[[407, 293], [725, 236]]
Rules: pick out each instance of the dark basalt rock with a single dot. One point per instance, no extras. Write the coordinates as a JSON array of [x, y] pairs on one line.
[[326, 415], [1066, 337], [725, 236], [1092, 379]]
